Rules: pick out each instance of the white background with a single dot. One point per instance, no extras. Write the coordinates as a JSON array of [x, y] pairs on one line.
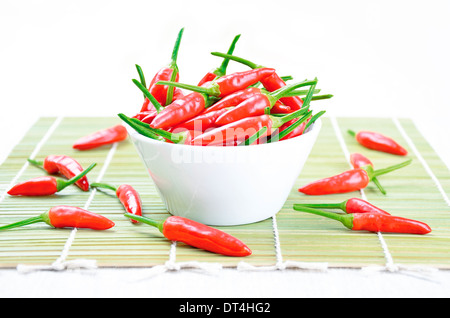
[[77, 58]]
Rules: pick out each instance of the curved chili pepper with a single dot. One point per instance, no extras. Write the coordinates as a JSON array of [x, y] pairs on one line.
[[244, 128], [180, 229], [164, 94], [373, 222], [358, 160], [377, 141], [258, 104], [271, 83], [234, 99], [348, 181], [353, 205], [202, 122], [222, 69], [228, 84], [100, 138], [48, 185], [65, 165], [67, 216], [127, 195]]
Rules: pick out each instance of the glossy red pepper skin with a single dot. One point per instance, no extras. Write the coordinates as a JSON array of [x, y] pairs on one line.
[[68, 216], [234, 82], [68, 167], [379, 142], [348, 181], [130, 199], [202, 122], [209, 77], [196, 234], [376, 222], [100, 138], [179, 111], [358, 160], [234, 99], [236, 131], [40, 186], [253, 106]]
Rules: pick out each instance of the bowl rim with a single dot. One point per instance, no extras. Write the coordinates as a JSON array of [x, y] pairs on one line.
[[316, 125]]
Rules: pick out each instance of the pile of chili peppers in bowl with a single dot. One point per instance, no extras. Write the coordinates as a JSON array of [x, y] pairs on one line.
[[213, 146]]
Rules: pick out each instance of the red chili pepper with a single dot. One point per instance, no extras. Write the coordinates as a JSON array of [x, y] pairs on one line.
[[353, 205], [180, 229], [358, 160], [234, 99], [242, 129], [164, 94], [373, 222], [100, 138], [271, 83], [48, 185], [65, 165], [348, 181], [67, 216], [228, 84], [222, 69], [376, 141], [127, 195], [201, 122], [259, 104]]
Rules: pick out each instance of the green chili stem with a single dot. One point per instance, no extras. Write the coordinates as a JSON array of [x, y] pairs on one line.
[[158, 224], [176, 47], [380, 172], [313, 119], [237, 59], [31, 220], [136, 125], [141, 76], [222, 69], [300, 92], [198, 89], [378, 184], [254, 137], [277, 135], [61, 184], [281, 92], [147, 94], [352, 133], [279, 121], [342, 205], [35, 162], [103, 185], [345, 219]]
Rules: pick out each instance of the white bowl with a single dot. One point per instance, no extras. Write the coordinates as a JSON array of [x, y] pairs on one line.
[[225, 185]]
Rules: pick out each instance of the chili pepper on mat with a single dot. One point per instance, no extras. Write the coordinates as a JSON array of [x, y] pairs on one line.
[[358, 160], [373, 222], [227, 84], [48, 185], [127, 195], [164, 94], [348, 181], [379, 142], [65, 165], [67, 216], [180, 229], [271, 83], [352, 205], [222, 69], [102, 137]]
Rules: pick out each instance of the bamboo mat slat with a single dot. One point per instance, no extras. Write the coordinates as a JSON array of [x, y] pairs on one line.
[[290, 236]]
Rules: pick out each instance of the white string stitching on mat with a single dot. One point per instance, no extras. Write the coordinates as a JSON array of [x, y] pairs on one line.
[[389, 261], [60, 263], [422, 160], [33, 155], [280, 265]]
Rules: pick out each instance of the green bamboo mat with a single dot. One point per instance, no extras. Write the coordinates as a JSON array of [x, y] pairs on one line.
[[418, 191]]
